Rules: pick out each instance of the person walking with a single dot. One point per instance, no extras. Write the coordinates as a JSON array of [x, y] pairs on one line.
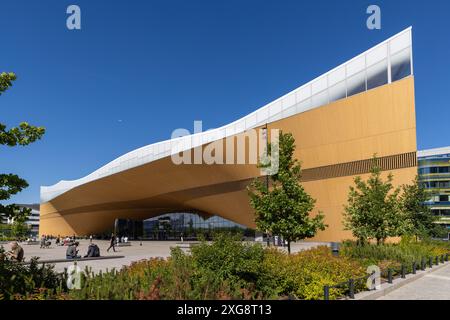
[[112, 244]]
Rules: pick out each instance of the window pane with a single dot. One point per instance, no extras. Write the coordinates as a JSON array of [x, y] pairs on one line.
[[289, 111], [320, 99], [401, 64], [337, 92], [304, 106], [444, 169], [356, 84], [377, 75]]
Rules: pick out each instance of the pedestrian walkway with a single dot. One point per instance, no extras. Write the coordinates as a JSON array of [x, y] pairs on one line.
[[433, 286]]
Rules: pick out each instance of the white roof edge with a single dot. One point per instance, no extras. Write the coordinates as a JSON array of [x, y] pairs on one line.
[[433, 152]]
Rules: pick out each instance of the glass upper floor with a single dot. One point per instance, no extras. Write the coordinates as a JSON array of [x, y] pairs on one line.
[[444, 170]]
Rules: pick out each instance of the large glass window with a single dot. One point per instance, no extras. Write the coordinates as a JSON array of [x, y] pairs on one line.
[[320, 99], [190, 226], [377, 75], [338, 91], [356, 84], [434, 170], [401, 64], [444, 169]]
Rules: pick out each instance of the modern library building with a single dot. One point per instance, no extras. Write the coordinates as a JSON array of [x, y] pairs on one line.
[[339, 120]]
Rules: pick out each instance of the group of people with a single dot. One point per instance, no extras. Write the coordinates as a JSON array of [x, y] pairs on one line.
[[17, 253], [93, 249], [72, 251]]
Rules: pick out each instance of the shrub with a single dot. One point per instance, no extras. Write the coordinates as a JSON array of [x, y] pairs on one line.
[[303, 275], [225, 269], [18, 280], [393, 255]]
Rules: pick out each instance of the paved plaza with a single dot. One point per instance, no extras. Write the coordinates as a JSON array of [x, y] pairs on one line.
[[433, 286], [135, 252]]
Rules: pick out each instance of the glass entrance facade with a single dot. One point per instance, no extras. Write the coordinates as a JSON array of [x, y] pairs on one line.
[[190, 226]]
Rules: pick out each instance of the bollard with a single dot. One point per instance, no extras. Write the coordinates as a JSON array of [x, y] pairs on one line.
[[442, 258], [414, 268], [446, 257], [423, 264], [326, 293], [403, 272], [351, 286], [390, 276], [436, 261], [335, 248], [430, 262]]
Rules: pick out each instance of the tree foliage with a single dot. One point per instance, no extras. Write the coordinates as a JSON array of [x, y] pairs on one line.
[[421, 222], [372, 211], [24, 134], [284, 208]]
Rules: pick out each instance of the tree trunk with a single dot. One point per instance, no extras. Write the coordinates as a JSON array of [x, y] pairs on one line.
[[289, 246]]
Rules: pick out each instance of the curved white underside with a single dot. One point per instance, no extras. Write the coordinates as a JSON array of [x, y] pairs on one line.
[[333, 85]]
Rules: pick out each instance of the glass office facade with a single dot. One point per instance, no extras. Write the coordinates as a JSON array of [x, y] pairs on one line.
[[434, 175], [191, 226]]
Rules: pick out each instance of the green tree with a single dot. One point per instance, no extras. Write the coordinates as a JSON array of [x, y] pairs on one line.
[[372, 211], [23, 135], [421, 222], [284, 208]]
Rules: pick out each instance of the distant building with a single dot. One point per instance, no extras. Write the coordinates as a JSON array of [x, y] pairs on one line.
[[434, 174], [33, 218]]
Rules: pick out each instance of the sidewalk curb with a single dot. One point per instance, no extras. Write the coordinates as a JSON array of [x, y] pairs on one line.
[[398, 283]]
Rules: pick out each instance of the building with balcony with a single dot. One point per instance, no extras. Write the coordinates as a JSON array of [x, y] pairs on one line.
[[434, 175]]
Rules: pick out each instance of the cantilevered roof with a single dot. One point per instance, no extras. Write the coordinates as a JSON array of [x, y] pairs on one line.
[[387, 62]]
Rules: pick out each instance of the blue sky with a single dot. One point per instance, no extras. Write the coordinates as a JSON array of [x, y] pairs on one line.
[[140, 69]]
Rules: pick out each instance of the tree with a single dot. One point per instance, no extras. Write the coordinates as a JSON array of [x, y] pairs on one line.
[[23, 135], [421, 222], [284, 208], [372, 211]]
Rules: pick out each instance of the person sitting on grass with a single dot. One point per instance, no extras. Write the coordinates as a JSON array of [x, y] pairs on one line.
[[72, 252], [16, 253]]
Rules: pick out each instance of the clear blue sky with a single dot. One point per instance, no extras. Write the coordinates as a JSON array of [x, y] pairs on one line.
[[140, 69]]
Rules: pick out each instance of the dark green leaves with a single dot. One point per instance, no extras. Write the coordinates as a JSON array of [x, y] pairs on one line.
[[6, 80], [23, 135], [283, 208], [373, 211]]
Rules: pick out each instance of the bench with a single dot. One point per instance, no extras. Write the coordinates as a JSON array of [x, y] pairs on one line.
[[124, 244], [73, 260], [186, 245], [32, 243]]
